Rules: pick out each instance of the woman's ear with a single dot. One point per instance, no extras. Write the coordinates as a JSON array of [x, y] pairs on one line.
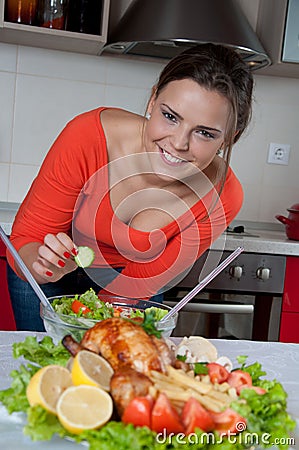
[[152, 100]]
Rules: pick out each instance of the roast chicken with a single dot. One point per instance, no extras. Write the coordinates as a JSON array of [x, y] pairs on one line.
[[131, 352], [123, 343]]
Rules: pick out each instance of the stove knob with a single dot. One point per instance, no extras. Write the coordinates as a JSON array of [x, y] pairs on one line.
[[263, 273], [236, 271]]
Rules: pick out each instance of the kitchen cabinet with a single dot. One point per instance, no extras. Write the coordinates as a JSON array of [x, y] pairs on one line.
[[34, 36], [270, 29], [289, 325], [7, 321]]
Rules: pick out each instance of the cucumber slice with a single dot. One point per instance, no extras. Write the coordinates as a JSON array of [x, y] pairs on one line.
[[85, 256]]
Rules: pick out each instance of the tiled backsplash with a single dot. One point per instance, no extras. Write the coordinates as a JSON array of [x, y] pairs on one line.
[[41, 90]]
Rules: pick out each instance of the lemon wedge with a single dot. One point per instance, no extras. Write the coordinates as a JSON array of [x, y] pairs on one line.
[[46, 386], [81, 408], [91, 369]]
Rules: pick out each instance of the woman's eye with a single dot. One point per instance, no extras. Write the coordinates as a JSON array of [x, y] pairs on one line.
[[206, 134], [169, 116]]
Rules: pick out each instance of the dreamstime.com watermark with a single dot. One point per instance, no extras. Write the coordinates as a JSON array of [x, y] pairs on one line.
[[240, 437]]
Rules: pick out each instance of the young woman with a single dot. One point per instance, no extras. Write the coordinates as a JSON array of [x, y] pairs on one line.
[[148, 194]]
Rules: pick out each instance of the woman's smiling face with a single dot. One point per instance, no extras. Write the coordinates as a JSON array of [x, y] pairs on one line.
[[186, 128]]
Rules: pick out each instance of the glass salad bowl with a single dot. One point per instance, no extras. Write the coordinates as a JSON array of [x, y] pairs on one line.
[[64, 321]]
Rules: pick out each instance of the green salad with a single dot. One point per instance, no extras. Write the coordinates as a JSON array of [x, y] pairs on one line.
[[90, 306], [265, 415]]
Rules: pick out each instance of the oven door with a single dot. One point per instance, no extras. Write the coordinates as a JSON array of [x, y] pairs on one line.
[[242, 302], [227, 316]]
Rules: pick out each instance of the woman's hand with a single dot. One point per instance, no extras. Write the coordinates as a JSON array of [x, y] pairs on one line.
[[54, 258]]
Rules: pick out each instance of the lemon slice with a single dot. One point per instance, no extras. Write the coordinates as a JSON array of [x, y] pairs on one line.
[[91, 369], [84, 407], [46, 386]]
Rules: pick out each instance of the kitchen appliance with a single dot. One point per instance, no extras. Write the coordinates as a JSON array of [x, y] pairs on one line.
[[292, 222], [290, 49], [162, 29], [243, 302]]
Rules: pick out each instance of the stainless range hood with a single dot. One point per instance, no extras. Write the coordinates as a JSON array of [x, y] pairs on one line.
[[164, 28]]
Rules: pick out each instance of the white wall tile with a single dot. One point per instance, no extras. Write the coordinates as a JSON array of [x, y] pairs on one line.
[[7, 91], [132, 73], [276, 200], [43, 107], [8, 57], [4, 176], [134, 100], [20, 180], [251, 204], [56, 64]]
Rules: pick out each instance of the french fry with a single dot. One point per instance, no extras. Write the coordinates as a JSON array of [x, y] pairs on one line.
[[184, 380], [179, 386]]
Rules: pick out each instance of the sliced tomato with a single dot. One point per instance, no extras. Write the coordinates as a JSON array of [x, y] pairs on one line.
[[239, 379], [138, 412], [165, 417], [257, 389], [217, 373], [228, 421], [77, 307], [194, 415]]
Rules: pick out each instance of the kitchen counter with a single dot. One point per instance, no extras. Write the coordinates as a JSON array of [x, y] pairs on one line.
[[8, 211], [268, 238], [267, 242]]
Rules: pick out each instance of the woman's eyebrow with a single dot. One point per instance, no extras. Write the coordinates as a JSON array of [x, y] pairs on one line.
[[173, 111], [181, 118], [204, 127]]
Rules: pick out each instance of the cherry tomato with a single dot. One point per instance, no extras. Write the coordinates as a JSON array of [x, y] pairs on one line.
[[194, 415], [77, 307], [138, 412], [117, 310], [239, 379], [217, 373], [165, 416], [228, 421]]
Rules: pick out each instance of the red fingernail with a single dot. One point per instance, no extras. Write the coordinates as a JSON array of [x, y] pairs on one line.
[[66, 254], [49, 274], [75, 251], [61, 263]]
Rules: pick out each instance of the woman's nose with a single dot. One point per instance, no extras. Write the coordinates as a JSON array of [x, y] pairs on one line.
[[180, 141]]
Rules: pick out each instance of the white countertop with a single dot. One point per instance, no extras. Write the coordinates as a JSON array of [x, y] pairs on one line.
[[269, 241]]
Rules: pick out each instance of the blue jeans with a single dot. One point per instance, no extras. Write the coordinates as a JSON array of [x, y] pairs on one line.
[[26, 305]]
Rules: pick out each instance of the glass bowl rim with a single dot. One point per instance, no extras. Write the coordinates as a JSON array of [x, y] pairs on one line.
[[49, 315]]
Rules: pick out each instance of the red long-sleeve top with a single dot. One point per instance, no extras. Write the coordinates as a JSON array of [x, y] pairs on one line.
[[71, 195]]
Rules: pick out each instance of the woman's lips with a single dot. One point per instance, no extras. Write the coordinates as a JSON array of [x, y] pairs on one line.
[[170, 159]]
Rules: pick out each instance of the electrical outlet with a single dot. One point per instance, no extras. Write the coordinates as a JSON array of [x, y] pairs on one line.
[[279, 154]]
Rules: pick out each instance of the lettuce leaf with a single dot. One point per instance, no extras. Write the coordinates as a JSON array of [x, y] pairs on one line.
[[42, 352], [14, 398]]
